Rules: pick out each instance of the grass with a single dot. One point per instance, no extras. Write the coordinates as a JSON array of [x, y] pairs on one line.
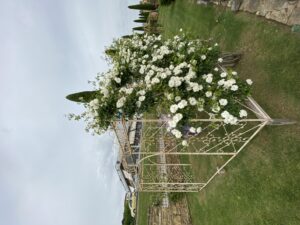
[[261, 186]]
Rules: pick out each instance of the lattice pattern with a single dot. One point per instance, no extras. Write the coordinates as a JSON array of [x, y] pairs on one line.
[[164, 165]]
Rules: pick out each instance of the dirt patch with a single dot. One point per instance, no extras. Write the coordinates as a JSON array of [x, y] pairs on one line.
[[176, 214]]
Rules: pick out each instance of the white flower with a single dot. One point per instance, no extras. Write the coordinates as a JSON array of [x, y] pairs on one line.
[[203, 57], [249, 81], [128, 91], [177, 117], [220, 60], [221, 82], [142, 70], [193, 130], [209, 79], [155, 80], [229, 83], [216, 44], [182, 104], [177, 98], [184, 143], [163, 75], [224, 114], [118, 80], [228, 118], [243, 113], [224, 74], [142, 98], [180, 29], [121, 102], [142, 92], [197, 87], [199, 129], [172, 123], [208, 94], [234, 87], [192, 101], [176, 133], [138, 104], [216, 108], [234, 73], [223, 101], [173, 108]]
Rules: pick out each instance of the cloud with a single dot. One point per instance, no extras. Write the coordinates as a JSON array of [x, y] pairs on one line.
[[51, 171]]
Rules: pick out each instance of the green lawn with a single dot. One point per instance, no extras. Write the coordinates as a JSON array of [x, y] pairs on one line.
[[262, 185]]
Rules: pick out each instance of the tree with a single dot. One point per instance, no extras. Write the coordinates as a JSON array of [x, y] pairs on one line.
[[141, 21], [139, 28], [145, 6], [83, 97]]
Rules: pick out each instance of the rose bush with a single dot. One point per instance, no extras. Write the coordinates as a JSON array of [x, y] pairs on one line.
[[178, 76]]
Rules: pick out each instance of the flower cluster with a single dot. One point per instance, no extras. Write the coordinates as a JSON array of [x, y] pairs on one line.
[[179, 76]]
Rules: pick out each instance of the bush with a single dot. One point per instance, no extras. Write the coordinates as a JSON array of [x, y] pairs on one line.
[[144, 14], [143, 7], [83, 97], [166, 2], [127, 218], [176, 196], [139, 28], [179, 76], [141, 21]]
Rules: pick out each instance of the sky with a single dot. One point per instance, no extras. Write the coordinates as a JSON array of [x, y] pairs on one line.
[[51, 171]]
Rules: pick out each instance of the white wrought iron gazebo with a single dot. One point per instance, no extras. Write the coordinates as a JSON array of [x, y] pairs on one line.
[[159, 163]]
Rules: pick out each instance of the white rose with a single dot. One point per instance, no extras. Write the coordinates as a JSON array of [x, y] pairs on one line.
[[223, 101], [209, 79], [249, 81], [199, 129], [192, 101], [193, 130], [243, 113], [173, 108], [224, 74], [142, 98], [234, 87], [177, 98], [208, 94]]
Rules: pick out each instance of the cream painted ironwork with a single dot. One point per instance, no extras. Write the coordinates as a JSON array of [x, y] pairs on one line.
[[160, 163]]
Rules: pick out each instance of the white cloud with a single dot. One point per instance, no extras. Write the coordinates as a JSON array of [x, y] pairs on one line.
[[51, 172]]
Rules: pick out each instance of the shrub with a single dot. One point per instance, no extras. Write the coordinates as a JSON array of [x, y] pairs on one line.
[[127, 218], [139, 28], [176, 196], [83, 97], [143, 6], [166, 2], [141, 21], [178, 76]]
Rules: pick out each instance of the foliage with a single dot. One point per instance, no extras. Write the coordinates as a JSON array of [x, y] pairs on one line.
[[144, 14], [83, 97], [144, 6], [127, 36], [176, 196], [166, 2], [264, 179], [178, 76], [138, 28], [141, 21], [127, 218]]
